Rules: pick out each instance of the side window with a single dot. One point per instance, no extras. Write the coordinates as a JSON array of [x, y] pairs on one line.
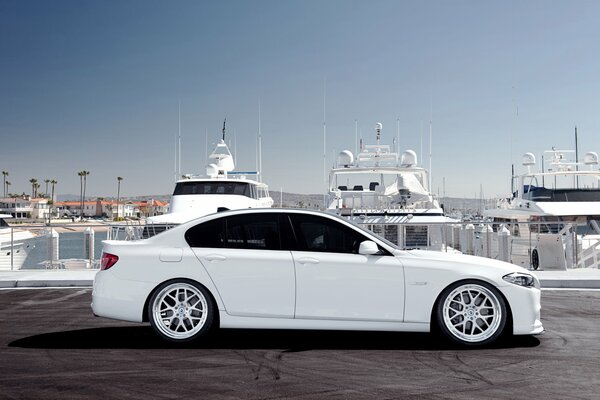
[[253, 231], [208, 234], [326, 235]]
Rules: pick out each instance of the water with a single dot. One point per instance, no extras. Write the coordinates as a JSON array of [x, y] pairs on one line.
[[70, 246]]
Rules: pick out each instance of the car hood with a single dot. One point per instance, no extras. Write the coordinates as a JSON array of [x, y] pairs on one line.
[[463, 259]]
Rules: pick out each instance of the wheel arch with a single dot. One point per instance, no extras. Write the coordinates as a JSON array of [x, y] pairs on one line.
[[146, 317], [432, 317]]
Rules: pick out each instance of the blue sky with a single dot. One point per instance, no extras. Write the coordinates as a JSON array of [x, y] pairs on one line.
[[96, 85]]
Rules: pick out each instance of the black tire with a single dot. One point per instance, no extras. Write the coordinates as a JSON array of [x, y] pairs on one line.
[[471, 313], [535, 259], [181, 311]]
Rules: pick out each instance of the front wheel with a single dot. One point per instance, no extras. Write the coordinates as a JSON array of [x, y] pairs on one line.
[[181, 311], [471, 313]]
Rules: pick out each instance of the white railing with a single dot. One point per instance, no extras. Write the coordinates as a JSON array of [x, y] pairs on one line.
[[545, 245], [366, 201]]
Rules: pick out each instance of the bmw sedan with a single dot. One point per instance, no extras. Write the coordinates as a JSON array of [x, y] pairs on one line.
[[297, 269]]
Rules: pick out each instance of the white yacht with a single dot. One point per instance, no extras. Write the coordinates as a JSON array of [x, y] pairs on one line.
[[220, 189], [389, 194], [15, 244], [553, 215]]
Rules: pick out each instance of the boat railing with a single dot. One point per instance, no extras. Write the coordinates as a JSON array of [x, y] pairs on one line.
[[130, 230], [543, 245], [359, 201]]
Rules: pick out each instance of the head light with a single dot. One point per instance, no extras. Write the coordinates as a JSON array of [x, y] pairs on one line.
[[521, 279]]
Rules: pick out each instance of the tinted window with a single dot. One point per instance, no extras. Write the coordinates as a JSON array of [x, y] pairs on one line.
[[323, 234], [208, 234], [251, 231]]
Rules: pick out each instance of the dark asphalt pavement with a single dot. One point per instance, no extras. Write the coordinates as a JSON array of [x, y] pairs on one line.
[[52, 347]]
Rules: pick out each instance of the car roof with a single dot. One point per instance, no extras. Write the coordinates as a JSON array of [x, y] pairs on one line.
[[245, 211]]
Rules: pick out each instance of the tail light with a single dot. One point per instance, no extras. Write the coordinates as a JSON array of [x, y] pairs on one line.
[[108, 260]]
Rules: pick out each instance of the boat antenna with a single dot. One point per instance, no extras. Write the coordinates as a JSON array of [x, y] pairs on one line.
[[206, 145], [430, 151], [421, 151], [430, 137], [178, 146], [356, 135], [325, 141], [576, 156], [259, 143], [398, 137], [234, 144], [179, 166], [224, 121], [512, 179]]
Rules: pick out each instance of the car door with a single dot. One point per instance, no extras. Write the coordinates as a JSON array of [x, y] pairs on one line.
[[244, 257], [333, 281]]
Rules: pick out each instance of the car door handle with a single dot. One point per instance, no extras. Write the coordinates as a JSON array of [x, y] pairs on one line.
[[308, 260], [215, 257]]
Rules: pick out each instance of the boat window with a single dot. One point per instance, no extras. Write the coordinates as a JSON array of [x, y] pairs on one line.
[[416, 237], [218, 187], [3, 223]]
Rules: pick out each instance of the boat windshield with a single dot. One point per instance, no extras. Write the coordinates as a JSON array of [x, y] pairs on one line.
[[560, 195], [372, 181], [218, 187]]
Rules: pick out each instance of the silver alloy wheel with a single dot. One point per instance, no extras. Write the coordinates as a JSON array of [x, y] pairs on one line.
[[472, 313], [180, 310]]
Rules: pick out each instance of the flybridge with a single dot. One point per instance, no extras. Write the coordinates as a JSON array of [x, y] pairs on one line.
[[560, 170]]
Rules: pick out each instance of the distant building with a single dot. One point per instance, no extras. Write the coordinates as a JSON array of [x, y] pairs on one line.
[[19, 207], [111, 209], [25, 207], [40, 208], [152, 207]]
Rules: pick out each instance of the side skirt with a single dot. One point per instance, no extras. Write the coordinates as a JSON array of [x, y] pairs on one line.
[[228, 321]]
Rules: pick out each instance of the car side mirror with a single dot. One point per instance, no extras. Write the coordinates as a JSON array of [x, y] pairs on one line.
[[368, 247]]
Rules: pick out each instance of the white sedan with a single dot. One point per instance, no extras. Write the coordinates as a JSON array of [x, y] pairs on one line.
[[293, 269]]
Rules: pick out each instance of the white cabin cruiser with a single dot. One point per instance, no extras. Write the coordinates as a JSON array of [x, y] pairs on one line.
[[554, 214], [388, 194], [15, 244], [220, 189]]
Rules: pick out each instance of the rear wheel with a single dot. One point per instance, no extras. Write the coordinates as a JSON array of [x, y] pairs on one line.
[[181, 311], [471, 313]]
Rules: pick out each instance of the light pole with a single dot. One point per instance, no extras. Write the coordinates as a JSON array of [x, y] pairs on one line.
[[119, 179]]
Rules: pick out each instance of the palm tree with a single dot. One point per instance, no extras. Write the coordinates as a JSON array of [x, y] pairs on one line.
[[36, 186], [33, 182], [6, 185], [119, 179], [4, 175], [53, 182], [46, 181]]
